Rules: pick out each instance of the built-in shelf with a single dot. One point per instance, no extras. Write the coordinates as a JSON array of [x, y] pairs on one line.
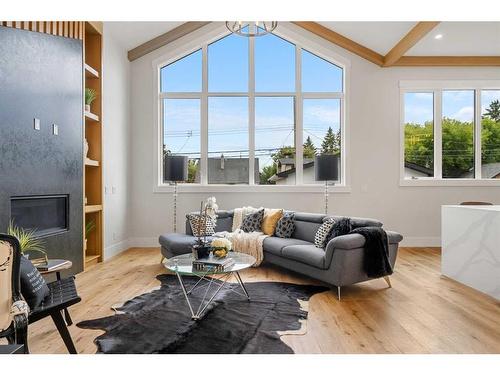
[[91, 116], [91, 259], [93, 208], [91, 163], [90, 72]]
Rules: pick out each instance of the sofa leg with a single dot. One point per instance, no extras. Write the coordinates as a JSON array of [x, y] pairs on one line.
[[338, 292], [162, 258], [388, 281]]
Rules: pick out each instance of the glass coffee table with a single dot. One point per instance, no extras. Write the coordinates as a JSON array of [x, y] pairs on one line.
[[213, 281]]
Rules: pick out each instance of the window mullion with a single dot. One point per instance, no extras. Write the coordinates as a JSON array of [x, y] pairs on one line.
[[204, 118], [477, 134], [251, 111], [299, 157], [438, 135]]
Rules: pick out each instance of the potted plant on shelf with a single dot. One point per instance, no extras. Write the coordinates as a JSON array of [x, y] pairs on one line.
[[90, 96], [89, 227], [28, 242]]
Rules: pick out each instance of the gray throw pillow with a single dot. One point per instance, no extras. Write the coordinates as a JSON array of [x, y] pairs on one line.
[[253, 222], [323, 232], [285, 226], [33, 286]]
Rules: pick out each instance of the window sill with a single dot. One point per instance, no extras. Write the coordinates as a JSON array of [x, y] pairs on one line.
[[449, 182], [197, 188]]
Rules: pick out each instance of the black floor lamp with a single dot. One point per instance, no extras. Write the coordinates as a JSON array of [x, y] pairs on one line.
[[326, 168], [176, 170]]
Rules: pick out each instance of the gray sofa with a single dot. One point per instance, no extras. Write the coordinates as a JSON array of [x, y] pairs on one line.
[[339, 264]]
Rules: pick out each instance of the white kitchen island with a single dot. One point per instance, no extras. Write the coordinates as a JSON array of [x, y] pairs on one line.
[[470, 240]]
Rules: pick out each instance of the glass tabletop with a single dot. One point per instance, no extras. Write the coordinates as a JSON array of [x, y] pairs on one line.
[[183, 264]]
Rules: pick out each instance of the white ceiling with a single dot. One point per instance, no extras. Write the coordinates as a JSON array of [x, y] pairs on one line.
[[459, 38], [378, 36], [131, 34]]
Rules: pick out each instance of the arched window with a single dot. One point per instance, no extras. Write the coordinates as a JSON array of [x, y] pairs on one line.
[[252, 111]]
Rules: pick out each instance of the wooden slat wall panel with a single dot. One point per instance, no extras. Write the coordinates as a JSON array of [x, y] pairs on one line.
[[68, 29]]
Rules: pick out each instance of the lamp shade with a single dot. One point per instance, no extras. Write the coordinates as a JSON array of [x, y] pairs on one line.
[[326, 168], [175, 168]]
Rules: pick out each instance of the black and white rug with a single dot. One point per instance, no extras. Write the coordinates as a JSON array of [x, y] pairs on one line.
[[160, 322]]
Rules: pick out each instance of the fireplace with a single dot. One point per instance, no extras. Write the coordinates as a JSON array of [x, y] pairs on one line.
[[46, 214]]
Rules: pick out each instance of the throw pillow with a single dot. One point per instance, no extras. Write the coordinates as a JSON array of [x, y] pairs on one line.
[[202, 225], [253, 222], [285, 226], [271, 218], [33, 286], [323, 231]]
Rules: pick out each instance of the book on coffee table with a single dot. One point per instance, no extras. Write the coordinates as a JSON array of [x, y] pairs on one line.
[[212, 263]]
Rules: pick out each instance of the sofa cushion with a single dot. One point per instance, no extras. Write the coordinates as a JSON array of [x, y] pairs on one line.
[[307, 254], [286, 225], [275, 244], [305, 230], [178, 243]]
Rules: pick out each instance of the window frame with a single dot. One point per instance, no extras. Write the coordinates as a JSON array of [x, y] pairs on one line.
[[436, 87], [200, 40]]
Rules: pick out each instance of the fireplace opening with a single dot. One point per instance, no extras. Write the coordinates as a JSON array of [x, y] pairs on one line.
[[47, 214]]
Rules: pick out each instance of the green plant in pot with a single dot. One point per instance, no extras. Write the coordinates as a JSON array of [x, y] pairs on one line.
[[89, 227], [28, 242], [90, 96]]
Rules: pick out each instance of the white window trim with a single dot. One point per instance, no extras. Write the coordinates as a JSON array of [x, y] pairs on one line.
[[437, 87], [203, 37]]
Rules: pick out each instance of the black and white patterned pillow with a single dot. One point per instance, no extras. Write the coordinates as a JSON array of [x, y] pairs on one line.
[[33, 286], [202, 225], [323, 232], [285, 226], [253, 222]]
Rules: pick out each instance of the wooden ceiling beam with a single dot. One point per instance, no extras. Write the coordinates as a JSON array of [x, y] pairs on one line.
[[164, 39], [448, 61], [420, 30], [342, 41]]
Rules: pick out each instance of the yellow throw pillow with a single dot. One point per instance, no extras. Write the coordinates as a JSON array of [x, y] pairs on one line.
[[271, 218]]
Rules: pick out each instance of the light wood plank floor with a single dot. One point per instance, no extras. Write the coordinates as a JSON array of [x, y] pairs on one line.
[[423, 312]]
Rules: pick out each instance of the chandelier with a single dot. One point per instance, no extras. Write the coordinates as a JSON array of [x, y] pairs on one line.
[[248, 29]]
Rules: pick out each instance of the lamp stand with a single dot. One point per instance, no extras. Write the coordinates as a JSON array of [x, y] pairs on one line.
[[175, 206], [326, 197]]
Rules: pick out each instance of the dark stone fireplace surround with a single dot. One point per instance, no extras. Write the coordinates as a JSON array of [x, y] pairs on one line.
[[41, 77]]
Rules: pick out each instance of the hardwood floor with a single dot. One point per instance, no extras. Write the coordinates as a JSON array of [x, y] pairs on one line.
[[423, 312]]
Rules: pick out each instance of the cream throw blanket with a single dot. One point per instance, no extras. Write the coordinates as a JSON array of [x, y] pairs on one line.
[[247, 243]]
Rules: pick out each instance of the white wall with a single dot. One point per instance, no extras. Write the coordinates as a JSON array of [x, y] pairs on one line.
[[373, 151], [116, 143]]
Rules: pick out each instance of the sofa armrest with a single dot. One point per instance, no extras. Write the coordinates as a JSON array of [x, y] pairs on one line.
[[347, 241], [393, 237]]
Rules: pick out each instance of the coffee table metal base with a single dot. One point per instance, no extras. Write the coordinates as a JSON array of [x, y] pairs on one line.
[[209, 283]]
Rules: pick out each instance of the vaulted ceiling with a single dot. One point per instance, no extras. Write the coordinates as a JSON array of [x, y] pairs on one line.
[[383, 43]]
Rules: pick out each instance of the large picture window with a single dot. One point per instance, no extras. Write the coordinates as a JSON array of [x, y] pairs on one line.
[[451, 131], [238, 108]]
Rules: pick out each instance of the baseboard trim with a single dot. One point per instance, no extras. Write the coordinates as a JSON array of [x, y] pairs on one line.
[[115, 249], [144, 242], [421, 242]]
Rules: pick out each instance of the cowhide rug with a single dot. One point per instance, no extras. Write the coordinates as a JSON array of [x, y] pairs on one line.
[[160, 322]]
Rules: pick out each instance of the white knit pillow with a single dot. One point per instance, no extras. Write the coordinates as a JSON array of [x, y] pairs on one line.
[[322, 232]]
